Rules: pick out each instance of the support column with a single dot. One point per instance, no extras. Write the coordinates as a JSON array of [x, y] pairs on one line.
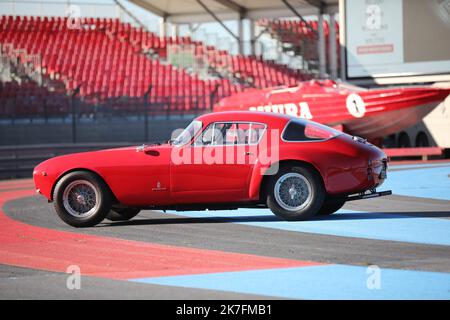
[[175, 32], [279, 49], [162, 27], [342, 41], [321, 47], [333, 48], [118, 10], [253, 37], [240, 37]]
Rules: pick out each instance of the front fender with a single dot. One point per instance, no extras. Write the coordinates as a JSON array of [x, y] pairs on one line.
[[49, 172]]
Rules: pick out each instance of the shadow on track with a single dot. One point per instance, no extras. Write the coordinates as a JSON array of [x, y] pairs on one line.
[[272, 218], [185, 220]]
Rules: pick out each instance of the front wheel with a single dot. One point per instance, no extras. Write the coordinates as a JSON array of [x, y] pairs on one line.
[[82, 199], [295, 193]]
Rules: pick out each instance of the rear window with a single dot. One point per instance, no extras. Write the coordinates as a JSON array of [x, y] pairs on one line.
[[301, 130]]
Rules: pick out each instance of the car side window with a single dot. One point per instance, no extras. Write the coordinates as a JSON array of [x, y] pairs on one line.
[[254, 133], [231, 133]]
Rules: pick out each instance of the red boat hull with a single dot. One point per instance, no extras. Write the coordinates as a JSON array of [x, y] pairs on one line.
[[367, 113]]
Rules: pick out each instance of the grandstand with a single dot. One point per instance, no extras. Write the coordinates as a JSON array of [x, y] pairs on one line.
[[54, 66], [104, 58], [105, 81], [115, 64], [107, 74], [299, 37]]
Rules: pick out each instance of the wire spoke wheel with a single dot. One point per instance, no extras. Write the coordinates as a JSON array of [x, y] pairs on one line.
[[80, 199], [293, 191]]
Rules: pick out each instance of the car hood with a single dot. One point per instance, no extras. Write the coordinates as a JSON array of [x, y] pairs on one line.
[[90, 159], [105, 163]]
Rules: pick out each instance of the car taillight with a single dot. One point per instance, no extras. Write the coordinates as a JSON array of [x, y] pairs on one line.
[[375, 163], [369, 173]]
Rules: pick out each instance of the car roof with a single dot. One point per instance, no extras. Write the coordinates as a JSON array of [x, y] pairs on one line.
[[269, 118]]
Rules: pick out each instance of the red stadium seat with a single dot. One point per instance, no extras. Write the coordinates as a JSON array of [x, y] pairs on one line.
[[109, 59]]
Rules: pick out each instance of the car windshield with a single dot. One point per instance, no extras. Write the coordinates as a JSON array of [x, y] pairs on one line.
[[187, 134]]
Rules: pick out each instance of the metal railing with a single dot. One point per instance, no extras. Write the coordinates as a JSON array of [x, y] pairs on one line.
[[19, 161], [23, 107]]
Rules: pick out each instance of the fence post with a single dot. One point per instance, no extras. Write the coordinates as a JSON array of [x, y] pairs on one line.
[[45, 109], [212, 97], [14, 113], [146, 97], [167, 106], [74, 113]]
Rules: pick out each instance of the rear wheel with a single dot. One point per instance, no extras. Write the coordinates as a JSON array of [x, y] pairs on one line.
[[122, 214], [82, 199], [330, 206], [295, 193]]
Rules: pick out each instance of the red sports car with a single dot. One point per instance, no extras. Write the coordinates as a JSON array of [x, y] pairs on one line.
[[223, 160]]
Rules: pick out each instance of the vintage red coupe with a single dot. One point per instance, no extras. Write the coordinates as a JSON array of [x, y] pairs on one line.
[[225, 160]]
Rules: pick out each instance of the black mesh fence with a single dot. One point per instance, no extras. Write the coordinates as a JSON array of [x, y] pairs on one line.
[[29, 103]]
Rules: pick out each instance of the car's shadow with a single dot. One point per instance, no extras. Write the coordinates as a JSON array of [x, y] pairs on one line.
[[345, 216]]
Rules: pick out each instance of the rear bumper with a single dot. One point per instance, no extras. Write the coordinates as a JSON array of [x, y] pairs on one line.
[[370, 194]]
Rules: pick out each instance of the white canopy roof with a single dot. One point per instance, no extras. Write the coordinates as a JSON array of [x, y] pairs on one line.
[[186, 11]]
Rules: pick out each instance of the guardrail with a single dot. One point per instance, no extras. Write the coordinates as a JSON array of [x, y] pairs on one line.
[[424, 153], [19, 161]]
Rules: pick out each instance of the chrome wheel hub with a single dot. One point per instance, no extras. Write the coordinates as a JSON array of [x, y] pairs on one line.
[[293, 191], [80, 199]]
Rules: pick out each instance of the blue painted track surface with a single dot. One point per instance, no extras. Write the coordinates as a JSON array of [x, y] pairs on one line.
[[320, 282], [343, 281], [347, 223], [432, 183]]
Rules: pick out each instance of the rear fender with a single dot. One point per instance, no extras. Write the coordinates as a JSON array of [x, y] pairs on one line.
[[260, 172]]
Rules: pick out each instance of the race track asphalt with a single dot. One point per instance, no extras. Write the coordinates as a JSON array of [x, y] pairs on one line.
[[242, 254]]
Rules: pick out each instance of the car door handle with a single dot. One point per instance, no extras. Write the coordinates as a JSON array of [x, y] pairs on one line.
[[248, 153]]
